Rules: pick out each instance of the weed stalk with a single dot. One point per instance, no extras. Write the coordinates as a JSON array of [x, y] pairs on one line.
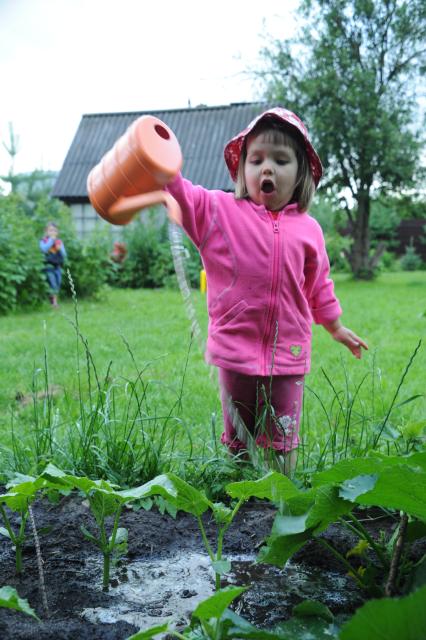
[[390, 587], [391, 406], [42, 583]]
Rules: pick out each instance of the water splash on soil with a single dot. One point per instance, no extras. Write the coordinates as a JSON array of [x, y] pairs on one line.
[[150, 592]]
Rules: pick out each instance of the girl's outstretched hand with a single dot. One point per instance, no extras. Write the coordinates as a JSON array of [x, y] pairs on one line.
[[347, 337], [353, 342]]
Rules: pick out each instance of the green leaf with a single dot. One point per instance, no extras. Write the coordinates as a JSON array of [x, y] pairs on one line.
[[179, 493], [307, 628], [290, 532], [222, 514], [89, 536], [351, 489], [328, 507], [16, 502], [234, 626], [221, 566], [84, 484], [400, 487], [10, 599], [214, 606], [274, 486], [189, 499], [346, 469], [389, 619], [150, 633], [416, 460], [417, 577], [289, 525], [279, 549], [19, 478], [121, 536], [103, 504], [53, 473], [4, 532], [313, 608], [161, 485], [373, 464]]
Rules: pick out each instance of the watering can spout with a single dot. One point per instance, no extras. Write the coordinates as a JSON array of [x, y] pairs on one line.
[[131, 176]]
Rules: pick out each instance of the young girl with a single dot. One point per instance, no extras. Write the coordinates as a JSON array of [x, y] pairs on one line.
[[55, 254], [267, 278]]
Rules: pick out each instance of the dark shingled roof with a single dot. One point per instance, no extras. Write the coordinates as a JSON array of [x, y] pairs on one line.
[[202, 133]]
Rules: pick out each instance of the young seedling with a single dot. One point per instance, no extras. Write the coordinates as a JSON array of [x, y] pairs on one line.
[[184, 497], [105, 502], [17, 538], [18, 499]]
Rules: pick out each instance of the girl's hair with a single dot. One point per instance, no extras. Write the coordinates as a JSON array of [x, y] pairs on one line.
[[278, 133]]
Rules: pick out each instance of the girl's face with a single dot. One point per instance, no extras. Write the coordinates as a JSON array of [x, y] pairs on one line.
[[52, 231], [270, 172]]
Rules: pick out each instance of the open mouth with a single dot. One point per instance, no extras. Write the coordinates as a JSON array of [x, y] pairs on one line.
[[267, 186]]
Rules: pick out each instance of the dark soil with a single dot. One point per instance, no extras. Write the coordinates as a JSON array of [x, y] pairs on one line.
[[72, 572]]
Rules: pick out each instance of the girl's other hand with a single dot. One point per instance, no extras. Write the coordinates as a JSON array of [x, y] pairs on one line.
[[354, 343]]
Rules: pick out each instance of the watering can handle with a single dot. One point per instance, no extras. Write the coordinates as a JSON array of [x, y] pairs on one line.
[[123, 210]]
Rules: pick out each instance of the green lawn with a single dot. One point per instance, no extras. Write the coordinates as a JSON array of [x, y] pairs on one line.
[[390, 313]]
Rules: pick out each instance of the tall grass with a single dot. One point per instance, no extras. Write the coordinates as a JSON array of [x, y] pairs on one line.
[[112, 429], [357, 420], [115, 388]]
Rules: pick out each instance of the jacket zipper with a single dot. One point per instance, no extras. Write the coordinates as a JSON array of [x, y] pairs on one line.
[[273, 296]]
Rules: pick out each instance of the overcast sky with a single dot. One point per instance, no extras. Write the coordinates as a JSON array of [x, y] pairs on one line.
[[60, 59]]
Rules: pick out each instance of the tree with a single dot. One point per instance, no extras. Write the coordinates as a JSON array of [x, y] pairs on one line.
[[12, 149], [351, 75]]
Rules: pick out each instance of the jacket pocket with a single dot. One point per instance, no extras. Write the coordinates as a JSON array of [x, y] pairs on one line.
[[231, 314]]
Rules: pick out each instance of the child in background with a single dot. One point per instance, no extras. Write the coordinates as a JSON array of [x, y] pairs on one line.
[[268, 278], [55, 254]]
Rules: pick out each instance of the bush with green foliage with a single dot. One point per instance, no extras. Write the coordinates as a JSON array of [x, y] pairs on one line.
[[149, 260], [410, 261], [332, 221], [22, 276], [22, 280]]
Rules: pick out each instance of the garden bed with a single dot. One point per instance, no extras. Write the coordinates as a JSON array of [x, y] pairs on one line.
[[165, 573]]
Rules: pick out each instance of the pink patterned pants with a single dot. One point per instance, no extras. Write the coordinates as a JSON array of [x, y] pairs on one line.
[[270, 410]]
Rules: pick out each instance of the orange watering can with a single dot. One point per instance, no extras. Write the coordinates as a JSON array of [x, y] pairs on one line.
[[132, 174]]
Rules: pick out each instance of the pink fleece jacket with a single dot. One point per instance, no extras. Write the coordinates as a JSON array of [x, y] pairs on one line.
[[267, 280]]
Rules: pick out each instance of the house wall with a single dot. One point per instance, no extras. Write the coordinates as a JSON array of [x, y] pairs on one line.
[[86, 219]]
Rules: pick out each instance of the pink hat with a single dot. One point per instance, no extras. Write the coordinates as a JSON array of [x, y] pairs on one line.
[[233, 148]]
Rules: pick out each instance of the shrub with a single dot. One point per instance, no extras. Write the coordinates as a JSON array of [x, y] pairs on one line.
[[337, 248], [149, 261], [388, 261], [22, 276], [89, 263], [22, 279], [410, 261]]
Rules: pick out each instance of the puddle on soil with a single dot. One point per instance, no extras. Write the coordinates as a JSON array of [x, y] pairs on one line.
[[274, 592], [157, 590]]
